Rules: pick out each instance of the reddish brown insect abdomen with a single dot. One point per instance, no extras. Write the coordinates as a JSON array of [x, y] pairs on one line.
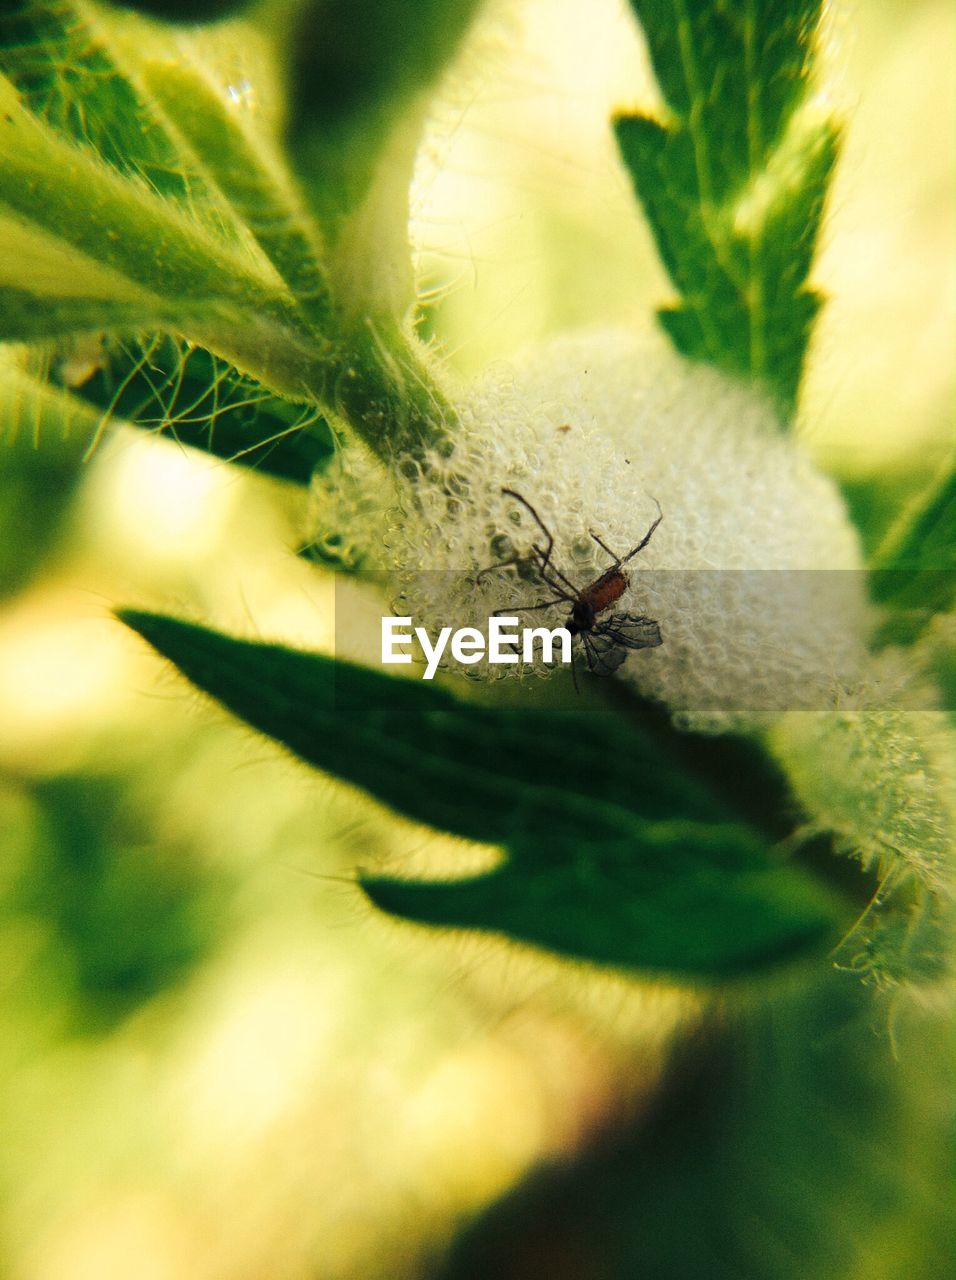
[[609, 588]]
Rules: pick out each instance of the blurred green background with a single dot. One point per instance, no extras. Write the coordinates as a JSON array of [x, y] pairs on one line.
[[216, 1063]]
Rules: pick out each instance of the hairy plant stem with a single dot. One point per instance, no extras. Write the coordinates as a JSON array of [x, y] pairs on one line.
[[375, 379]]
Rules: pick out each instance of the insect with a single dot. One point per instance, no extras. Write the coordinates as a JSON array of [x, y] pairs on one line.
[[606, 639]]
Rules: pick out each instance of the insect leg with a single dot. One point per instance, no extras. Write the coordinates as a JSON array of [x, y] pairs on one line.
[[604, 547], [545, 566], [568, 590], [528, 608], [647, 536], [589, 652], [502, 564], [537, 519]]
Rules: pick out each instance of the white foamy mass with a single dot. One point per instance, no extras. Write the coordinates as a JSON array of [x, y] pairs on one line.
[[595, 430]]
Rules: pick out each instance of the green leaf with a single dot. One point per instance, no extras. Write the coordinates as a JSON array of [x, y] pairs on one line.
[[613, 854], [187, 10], [914, 570], [357, 68], [69, 195], [361, 74], [236, 157], [36, 485], [675, 897], [142, 180], [120, 916], [733, 182], [191, 396], [792, 1138], [70, 70], [31, 317], [109, 237]]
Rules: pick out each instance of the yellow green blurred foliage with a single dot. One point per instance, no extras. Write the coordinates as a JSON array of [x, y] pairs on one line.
[[216, 1063]]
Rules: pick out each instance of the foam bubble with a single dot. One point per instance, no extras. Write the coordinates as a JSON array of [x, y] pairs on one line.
[[595, 429]]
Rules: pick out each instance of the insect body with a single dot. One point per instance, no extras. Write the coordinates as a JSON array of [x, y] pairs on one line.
[[606, 636]]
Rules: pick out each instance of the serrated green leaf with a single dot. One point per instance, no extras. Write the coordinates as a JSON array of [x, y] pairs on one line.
[[614, 855], [733, 182], [738, 67], [191, 396]]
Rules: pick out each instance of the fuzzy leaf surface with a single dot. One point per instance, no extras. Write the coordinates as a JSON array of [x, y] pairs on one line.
[[103, 198], [238, 158], [65, 62], [195, 398], [613, 854], [144, 187]]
